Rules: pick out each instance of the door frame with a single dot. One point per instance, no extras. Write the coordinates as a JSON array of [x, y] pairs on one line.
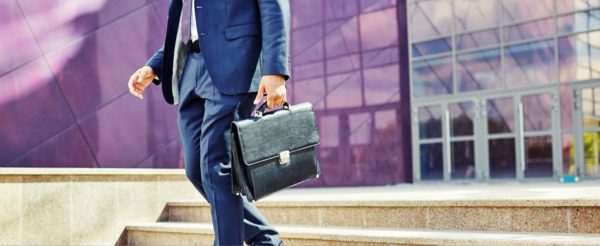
[[578, 129]]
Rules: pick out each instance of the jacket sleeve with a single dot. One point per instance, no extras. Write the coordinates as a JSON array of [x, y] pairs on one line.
[[275, 23], [155, 62]]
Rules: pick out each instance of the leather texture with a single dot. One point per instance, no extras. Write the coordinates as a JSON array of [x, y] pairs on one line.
[[256, 146]]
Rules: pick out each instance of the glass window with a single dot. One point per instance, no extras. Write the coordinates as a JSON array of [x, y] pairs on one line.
[[432, 77], [579, 56], [572, 5], [306, 71], [308, 44], [343, 90], [431, 18], [591, 149], [360, 128], [463, 160], [461, 118], [335, 9], [329, 127], [590, 106], [530, 64], [529, 30], [435, 46], [371, 5], [430, 122], [341, 37], [371, 26], [380, 57], [519, 10], [578, 22], [475, 14], [311, 90], [500, 115], [382, 85], [537, 112], [432, 161], [343, 64], [502, 158], [538, 156], [477, 39], [479, 71], [386, 126]]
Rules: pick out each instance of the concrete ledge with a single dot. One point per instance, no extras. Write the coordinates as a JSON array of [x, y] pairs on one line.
[[83, 206]]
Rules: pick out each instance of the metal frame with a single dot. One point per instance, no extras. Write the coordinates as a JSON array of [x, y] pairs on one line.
[[578, 128]]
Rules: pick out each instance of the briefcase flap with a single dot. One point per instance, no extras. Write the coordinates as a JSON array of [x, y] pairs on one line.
[[275, 133]]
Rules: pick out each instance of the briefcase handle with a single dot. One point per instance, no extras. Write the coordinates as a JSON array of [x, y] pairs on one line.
[[260, 111]]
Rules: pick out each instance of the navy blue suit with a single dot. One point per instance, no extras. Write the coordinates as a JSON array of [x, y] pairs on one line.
[[240, 41]]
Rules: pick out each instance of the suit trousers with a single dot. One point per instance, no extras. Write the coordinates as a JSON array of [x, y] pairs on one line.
[[204, 120]]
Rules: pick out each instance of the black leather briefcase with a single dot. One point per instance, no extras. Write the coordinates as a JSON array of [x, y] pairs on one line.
[[273, 151]]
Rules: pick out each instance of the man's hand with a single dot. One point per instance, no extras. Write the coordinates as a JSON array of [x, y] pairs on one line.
[[140, 80], [274, 87]]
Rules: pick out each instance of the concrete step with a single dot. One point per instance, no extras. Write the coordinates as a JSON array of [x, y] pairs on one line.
[[552, 216], [177, 233]]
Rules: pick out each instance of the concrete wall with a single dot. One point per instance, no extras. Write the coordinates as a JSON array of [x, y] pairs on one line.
[[83, 206]]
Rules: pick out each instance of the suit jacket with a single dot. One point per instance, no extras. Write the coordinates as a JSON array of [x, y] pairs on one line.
[[234, 36]]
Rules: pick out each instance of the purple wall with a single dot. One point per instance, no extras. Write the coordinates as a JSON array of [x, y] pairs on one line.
[[64, 65]]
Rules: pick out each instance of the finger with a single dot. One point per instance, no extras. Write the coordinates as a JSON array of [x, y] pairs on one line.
[[271, 101], [143, 74], [260, 94], [130, 83], [139, 86]]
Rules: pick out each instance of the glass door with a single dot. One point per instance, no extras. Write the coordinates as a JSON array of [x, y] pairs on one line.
[[500, 137], [587, 128]]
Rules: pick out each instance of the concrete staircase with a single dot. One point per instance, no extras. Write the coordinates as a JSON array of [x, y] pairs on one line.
[[414, 215]]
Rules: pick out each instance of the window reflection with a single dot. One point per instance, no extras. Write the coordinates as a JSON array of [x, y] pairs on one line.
[[590, 106], [435, 46], [538, 156], [577, 22], [432, 77], [432, 161], [430, 122], [477, 39], [529, 30], [537, 112], [430, 18], [518, 10], [500, 113], [463, 160], [502, 158], [591, 148], [475, 14], [461, 118], [479, 71], [572, 5], [530, 63]]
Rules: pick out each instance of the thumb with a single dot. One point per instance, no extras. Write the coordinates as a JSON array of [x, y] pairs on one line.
[[143, 74], [260, 94]]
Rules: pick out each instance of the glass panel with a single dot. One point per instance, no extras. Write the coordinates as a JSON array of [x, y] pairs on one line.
[[463, 160], [430, 19], [568, 150], [329, 128], [475, 14], [479, 70], [537, 112], [435, 46], [344, 90], [477, 39], [530, 64], [386, 126], [571, 5], [341, 37], [312, 90], [502, 158], [430, 122], [591, 148], [529, 30], [371, 26], [590, 105], [461, 118], [381, 85], [538, 156], [432, 161], [432, 77], [580, 21], [500, 115], [360, 128], [518, 10], [574, 58]]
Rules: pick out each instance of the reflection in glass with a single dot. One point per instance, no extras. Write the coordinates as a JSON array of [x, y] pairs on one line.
[[537, 112], [538, 156], [329, 128], [386, 126], [378, 88], [572, 5], [341, 37], [500, 115], [574, 58], [475, 14], [360, 128], [432, 77], [477, 39], [518, 10], [479, 70], [529, 30], [435, 46], [590, 106], [502, 158], [430, 18], [432, 161], [530, 64], [430, 122], [344, 90], [463, 160], [591, 149], [461, 118], [568, 153], [578, 22]]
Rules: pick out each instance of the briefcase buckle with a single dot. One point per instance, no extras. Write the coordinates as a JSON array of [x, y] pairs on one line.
[[284, 157]]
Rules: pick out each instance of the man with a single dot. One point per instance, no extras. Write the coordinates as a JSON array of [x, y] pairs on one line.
[[216, 56]]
